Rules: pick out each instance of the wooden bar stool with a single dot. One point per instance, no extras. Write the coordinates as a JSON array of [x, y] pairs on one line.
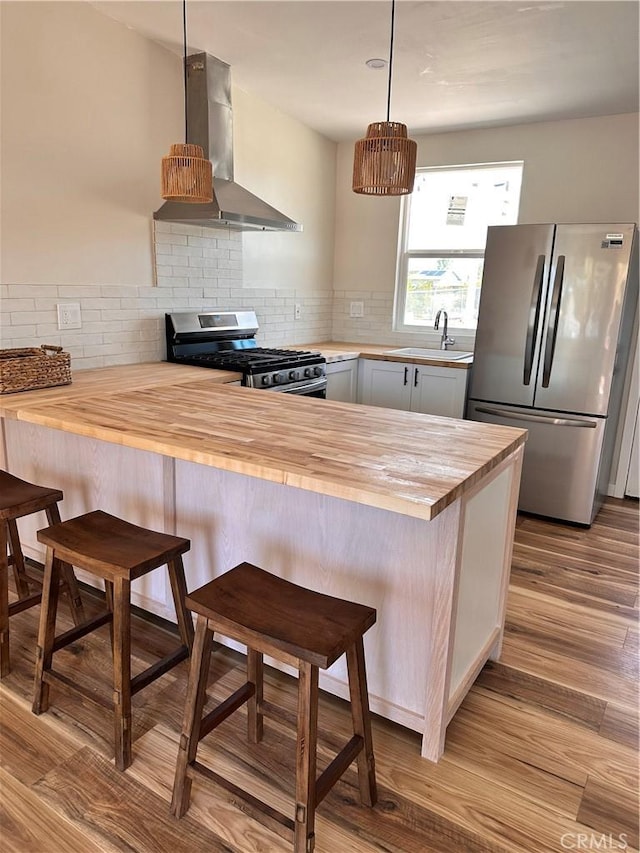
[[17, 499], [299, 627], [117, 552]]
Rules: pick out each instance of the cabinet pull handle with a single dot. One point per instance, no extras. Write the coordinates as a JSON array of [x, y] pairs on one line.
[[406, 375], [415, 378]]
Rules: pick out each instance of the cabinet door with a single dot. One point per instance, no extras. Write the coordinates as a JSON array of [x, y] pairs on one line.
[[438, 390], [342, 380], [385, 383]]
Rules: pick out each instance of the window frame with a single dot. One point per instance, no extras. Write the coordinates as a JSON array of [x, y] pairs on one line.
[[405, 255]]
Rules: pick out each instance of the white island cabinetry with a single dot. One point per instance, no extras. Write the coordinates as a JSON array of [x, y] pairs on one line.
[[424, 388], [333, 504]]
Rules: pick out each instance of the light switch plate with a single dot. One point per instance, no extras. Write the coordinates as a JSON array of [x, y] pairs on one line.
[[356, 309]]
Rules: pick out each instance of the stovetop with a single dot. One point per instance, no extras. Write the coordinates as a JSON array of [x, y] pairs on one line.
[[226, 341], [253, 360]]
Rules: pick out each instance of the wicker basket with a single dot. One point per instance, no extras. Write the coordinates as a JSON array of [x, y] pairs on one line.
[[29, 368]]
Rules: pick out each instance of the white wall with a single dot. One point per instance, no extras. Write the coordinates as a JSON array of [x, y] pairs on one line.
[[584, 170], [89, 108], [292, 168]]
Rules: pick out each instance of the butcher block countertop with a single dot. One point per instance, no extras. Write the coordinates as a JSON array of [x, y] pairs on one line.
[[343, 351], [404, 462], [107, 380]]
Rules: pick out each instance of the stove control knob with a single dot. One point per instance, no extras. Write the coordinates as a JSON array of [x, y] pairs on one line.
[[278, 378], [294, 375], [266, 380], [318, 371], [308, 373]]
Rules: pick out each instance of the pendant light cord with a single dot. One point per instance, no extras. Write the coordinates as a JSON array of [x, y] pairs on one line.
[[393, 12], [184, 66]]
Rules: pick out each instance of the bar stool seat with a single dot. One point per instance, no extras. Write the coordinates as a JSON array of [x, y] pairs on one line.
[[117, 552], [297, 626], [19, 498]]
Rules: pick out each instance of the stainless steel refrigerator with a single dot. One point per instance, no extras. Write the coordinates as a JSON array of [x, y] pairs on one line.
[[556, 318]]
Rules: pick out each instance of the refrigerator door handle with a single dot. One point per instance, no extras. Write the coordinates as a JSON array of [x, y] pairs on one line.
[[538, 419], [552, 323], [534, 319]]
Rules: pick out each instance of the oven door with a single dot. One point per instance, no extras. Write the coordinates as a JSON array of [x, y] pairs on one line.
[[313, 388]]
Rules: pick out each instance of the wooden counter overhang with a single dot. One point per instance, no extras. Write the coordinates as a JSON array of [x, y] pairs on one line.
[[404, 462]]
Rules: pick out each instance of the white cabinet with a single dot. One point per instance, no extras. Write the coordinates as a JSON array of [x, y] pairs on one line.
[[342, 380], [439, 390], [413, 387], [385, 383]]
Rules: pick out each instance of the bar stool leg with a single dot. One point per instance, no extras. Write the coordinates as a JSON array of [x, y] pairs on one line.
[[75, 602], [4, 602], [46, 630], [304, 831], [179, 590], [194, 705], [17, 558], [255, 721], [122, 671], [362, 722], [108, 600]]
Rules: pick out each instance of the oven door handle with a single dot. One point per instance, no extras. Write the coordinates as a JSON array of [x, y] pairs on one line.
[[307, 388]]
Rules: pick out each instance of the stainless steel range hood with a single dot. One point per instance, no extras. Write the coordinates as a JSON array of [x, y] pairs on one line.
[[210, 124]]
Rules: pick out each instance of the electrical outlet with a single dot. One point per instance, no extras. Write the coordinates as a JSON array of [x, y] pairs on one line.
[[298, 311], [356, 309], [69, 315]]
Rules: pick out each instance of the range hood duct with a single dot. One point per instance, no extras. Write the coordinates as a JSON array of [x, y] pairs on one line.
[[210, 124]]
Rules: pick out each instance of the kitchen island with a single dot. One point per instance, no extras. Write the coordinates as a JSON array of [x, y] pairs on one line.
[[409, 513]]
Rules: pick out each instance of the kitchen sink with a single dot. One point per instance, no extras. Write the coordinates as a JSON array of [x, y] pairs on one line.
[[440, 354]]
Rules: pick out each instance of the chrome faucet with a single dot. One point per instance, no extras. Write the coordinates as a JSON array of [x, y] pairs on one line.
[[445, 340]]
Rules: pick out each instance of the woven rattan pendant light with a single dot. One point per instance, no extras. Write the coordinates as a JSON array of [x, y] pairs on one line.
[[186, 175], [384, 161]]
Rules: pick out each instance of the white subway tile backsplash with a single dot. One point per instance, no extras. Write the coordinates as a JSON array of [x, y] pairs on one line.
[[24, 318], [188, 230], [195, 267], [185, 272], [46, 332], [30, 341], [75, 292], [113, 290], [101, 326], [142, 303], [11, 306], [31, 291], [186, 251], [174, 239]]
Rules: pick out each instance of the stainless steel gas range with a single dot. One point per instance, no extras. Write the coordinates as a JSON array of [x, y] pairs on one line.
[[225, 340]]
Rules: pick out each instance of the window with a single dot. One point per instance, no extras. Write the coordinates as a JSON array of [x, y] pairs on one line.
[[444, 231]]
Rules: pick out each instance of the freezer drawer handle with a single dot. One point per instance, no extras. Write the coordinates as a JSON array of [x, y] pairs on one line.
[[552, 323], [538, 419], [534, 319]]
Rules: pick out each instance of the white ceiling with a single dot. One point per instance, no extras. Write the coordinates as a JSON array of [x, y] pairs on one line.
[[457, 64]]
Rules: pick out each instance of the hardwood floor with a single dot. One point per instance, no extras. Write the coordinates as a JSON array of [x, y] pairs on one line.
[[541, 756]]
